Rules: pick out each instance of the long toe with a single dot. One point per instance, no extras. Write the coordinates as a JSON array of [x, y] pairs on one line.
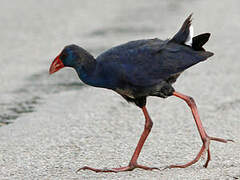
[[221, 140], [205, 148], [121, 169], [95, 169]]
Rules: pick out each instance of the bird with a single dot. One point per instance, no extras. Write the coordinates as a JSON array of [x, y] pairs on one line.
[[141, 68]]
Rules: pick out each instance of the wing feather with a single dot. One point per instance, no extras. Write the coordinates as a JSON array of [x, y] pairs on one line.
[[148, 62]]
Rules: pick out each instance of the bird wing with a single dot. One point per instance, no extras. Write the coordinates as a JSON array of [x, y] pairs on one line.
[[148, 62], [170, 60]]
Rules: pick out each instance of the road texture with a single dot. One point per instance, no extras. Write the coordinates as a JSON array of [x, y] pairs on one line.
[[59, 124]]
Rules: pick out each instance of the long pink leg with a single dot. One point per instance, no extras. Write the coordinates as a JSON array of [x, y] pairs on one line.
[[133, 162], [205, 138]]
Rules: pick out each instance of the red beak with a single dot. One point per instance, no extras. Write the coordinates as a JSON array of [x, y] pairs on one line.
[[56, 65]]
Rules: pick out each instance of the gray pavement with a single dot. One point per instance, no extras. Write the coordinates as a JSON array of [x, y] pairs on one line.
[[59, 124]]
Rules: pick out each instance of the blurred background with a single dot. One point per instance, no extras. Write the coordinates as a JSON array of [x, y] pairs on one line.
[[34, 32], [46, 138]]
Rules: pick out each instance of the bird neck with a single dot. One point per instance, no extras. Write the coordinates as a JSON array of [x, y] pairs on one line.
[[93, 74], [86, 70], [89, 73]]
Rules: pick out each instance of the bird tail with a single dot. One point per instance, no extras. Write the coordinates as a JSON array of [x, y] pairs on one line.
[[199, 41], [185, 36], [185, 33]]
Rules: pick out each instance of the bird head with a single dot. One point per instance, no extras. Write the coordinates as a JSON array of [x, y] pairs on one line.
[[71, 56]]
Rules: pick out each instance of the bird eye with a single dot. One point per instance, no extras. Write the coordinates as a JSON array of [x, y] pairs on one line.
[[63, 56]]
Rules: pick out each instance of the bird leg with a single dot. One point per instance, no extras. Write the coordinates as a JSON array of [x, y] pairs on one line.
[[133, 162], [205, 138]]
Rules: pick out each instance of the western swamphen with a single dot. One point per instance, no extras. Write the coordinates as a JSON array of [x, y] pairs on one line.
[[139, 69]]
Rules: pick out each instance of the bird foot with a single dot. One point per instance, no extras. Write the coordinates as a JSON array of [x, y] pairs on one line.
[[204, 149], [116, 170]]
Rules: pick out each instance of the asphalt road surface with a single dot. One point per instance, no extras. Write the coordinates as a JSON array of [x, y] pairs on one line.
[[51, 126]]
